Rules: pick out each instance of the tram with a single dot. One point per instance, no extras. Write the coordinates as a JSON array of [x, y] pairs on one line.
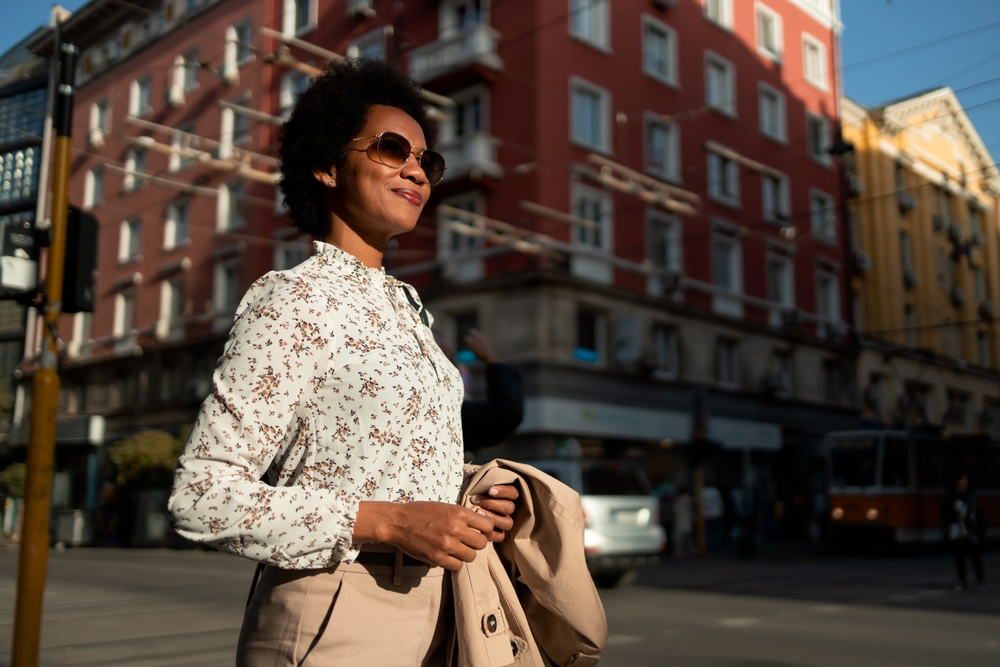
[[888, 486]]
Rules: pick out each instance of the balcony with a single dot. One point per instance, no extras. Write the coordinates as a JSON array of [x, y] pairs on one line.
[[474, 154], [475, 48]]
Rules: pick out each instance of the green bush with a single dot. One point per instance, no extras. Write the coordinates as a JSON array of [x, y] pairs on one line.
[[13, 478], [145, 460]]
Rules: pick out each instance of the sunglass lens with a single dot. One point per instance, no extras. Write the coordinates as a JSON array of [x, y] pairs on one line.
[[393, 149], [433, 165]]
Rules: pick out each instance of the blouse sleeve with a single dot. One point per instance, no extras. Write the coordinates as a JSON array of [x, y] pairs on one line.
[[277, 354]]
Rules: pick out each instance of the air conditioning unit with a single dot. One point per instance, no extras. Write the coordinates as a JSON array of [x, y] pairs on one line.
[[361, 8], [937, 221], [95, 137], [910, 278], [957, 296], [862, 262], [986, 308], [977, 238], [906, 200], [955, 232]]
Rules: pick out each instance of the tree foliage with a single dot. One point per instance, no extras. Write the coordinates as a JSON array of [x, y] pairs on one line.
[[13, 478], [146, 459]]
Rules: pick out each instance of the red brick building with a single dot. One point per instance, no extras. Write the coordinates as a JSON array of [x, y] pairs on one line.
[[695, 282]]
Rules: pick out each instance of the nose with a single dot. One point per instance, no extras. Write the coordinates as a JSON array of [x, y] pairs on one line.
[[412, 171]]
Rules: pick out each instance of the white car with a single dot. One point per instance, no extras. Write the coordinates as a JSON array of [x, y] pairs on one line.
[[622, 518]]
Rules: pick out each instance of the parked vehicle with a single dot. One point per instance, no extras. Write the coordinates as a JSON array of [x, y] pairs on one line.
[[621, 514]]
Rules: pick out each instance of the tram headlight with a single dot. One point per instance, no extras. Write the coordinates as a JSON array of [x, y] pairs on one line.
[[837, 513], [872, 514]]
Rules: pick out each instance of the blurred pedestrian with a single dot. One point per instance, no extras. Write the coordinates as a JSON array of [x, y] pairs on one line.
[[330, 446], [492, 420], [666, 492], [964, 530], [684, 523]]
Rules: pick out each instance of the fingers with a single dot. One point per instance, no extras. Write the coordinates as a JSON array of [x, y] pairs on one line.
[[505, 491], [481, 522], [502, 507]]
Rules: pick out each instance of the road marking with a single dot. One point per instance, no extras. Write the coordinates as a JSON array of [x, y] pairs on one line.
[[738, 622], [625, 639]]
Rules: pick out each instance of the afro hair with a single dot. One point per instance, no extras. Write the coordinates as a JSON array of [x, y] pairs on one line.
[[330, 113]]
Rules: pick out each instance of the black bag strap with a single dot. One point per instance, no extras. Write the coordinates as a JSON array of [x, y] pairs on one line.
[[417, 307]]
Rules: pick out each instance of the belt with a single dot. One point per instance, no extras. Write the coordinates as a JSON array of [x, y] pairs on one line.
[[386, 559]]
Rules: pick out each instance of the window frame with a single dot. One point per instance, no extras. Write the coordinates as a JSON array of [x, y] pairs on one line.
[[672, 339], [831, 236], [728, 298], [779, 37], [820, 79], [603, 122], [727, 362], [170, 226], [670, 58], [362, 42], [672, 158], [602, 41], [723, 170], [130, 240], [725, 21], [224, 208], [138, 87], [781, 210], [224, 309], [289, 18], [123, 299], [832, 301], [728, 106], [787, 279], [132, 181], [764, 89], [604, 199], [93, 187], [821, 157]]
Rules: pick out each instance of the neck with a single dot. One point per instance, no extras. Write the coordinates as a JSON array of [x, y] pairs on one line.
[[345, 237]]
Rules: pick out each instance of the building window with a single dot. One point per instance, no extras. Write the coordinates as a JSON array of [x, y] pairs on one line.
[[719, 12], [827, 297], [124, 322], [594, 205], [588, 21], [175, 230], [192, 66], [772, 113], [720, 80], [241, 124], [776, 198], [298, 17], [906, 259], [227, 287], [130, 240], [93, 187], [983, 347], [659, 51], [172, 304], [665, 351], [590, 115], [369, 45], [230, 214], [181, 143], [823, 214], [459, 15], [814, 61], [140, 96], [727, 274], [780, 377], [289, 254], [723, 179], [818, 138], [135, 167], [727, 363], [468, 117], [780, 281], [458, 232], [833, 381], [243, 32], [910, 325], [945, 269], [665, 242], [292, 85], [979, 284], [588, 336], [100, 113], [769, 33], [662, 149], [974, 227]]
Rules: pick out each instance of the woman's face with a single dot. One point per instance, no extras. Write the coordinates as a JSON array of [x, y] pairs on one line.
[[377, 201]]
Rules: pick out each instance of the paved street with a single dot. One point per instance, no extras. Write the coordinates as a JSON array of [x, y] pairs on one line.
[[786, 609]]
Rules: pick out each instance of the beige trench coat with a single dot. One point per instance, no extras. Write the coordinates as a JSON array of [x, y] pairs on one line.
[[555, 610]]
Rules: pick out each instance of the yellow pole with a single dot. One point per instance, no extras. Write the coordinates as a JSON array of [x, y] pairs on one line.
[[34, 556]]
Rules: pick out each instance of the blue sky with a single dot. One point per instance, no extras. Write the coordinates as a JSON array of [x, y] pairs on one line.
[[875, 30]]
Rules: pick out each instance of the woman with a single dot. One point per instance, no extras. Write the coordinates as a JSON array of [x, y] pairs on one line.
[[330, 448], [963, 528]]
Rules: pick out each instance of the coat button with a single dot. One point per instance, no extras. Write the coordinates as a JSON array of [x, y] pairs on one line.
[[491, 623]]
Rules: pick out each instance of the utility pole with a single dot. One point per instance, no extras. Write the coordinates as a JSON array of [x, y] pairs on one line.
[[34, 557]]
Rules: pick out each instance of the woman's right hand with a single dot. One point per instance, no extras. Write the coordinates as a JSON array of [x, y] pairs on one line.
[[437, 533]]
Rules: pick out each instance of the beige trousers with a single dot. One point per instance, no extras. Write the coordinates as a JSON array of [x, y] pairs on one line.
[[348, 615]]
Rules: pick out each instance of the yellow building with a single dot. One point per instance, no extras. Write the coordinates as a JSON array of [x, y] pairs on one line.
[[922, 200]]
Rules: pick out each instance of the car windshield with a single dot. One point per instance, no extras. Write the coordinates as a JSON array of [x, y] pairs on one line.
[[613, 479], [852, 462]]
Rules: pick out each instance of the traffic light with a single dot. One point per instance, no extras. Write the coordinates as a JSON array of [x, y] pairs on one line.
[[79, 290], [19, 256]]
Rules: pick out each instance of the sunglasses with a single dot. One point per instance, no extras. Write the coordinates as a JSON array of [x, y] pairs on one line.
[[393, 150]]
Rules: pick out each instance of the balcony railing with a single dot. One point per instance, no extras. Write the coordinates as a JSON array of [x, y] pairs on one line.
[[476, 45], [469, 154]]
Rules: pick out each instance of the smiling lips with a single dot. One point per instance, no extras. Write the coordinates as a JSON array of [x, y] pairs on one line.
[[409, 195]]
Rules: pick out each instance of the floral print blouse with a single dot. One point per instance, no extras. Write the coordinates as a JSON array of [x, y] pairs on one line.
[[332, 390]]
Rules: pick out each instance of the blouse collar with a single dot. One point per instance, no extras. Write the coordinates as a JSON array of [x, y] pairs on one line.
[[344, 263]]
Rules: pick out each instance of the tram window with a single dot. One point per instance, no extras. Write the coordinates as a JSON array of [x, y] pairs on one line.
[[895, 463], [852, 463], [930, 464]]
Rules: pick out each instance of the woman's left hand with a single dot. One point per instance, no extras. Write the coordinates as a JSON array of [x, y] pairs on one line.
[[498, 506]]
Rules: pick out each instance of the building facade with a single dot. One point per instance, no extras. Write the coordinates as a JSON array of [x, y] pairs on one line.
[[641, 210], [926, 250]]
